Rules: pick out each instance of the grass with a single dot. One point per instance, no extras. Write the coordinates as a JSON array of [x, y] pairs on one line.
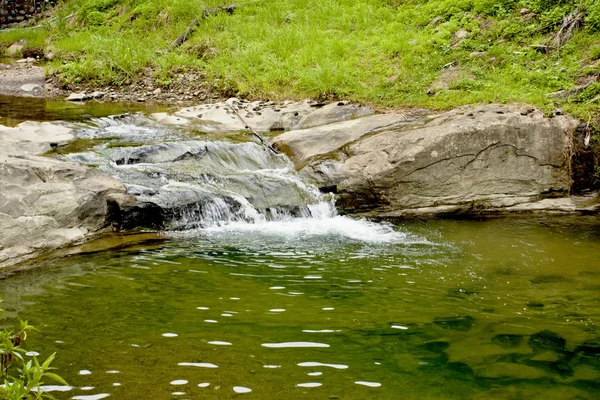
[[385, 52]]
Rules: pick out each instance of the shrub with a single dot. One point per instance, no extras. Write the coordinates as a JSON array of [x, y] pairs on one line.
[[24, 382]]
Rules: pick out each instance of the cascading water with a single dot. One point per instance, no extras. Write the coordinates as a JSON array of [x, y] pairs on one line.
[[214, 184]]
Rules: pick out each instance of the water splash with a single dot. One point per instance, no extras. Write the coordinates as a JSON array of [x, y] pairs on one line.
[[220, 188]]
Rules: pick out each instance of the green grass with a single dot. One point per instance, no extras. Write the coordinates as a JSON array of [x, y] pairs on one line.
[[34, 39], [384, 52]]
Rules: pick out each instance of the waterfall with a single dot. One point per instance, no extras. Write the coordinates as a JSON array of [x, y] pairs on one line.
[[195, 181]]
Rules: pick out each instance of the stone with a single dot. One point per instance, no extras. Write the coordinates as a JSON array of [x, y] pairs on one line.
[[508, 341], [590, 346], [157, 91], [455, 323], [82, 96], [32, 88], [459, 36], [477, 54], [302, 145], [436, 20], [332, 113], [97, 94], [473, 159], [547, 340], [15, 48], [435, 347], [449, 77], [236, 115], [45, 203]]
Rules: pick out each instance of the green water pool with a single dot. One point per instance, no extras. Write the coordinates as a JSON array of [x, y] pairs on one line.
[[504, 308]]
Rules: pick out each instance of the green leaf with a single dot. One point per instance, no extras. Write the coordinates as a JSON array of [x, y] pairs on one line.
[[56, 377]]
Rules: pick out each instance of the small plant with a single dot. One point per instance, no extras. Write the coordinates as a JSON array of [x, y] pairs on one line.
[[22, 379]]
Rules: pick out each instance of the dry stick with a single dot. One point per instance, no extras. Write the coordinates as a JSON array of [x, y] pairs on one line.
[[191, 27], [570, 23], [246, 126]]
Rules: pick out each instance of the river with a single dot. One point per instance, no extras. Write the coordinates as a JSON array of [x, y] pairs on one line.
[[288, 304]]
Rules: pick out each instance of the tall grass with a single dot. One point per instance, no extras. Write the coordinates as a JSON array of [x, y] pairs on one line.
[[386, 52]]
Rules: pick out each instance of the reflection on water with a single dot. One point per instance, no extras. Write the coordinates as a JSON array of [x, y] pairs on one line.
[[501, 309], [14, 110]]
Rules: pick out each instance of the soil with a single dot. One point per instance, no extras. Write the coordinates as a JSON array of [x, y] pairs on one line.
[[13, 77], [186, 88]]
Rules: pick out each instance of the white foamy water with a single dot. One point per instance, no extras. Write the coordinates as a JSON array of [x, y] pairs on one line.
[[309, 384], [318, 364], [338, 226], [220, 189], [294, 344], [200, 365]]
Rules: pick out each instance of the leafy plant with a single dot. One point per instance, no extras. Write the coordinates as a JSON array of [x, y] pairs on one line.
[[23, 379]]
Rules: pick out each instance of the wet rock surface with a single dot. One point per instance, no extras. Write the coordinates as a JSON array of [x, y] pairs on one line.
[[46, 203], [472, 159], [235, 115]]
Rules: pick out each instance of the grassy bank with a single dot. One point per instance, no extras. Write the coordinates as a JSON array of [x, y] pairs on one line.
[[439, 53]]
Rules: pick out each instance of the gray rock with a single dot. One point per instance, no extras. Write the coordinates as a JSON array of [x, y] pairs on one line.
[[15, 48], [45, 203], [332, 113], [97, 95], [302, 145], [32, 88], [467, 160], [477, 54], [82, 96], [235, 115]]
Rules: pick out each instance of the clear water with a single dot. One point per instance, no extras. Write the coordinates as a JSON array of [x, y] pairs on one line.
[[14, 110], [330, 308], [267, 302]]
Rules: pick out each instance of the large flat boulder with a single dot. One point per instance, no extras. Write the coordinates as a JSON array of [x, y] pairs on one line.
[[469, 159], [235, 115], [46, 203]]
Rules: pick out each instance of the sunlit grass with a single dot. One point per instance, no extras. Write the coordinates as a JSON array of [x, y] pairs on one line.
[[385, 52]]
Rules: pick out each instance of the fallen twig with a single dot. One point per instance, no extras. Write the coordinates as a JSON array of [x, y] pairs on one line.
[[570, 24], [246, 126], [565, 94]]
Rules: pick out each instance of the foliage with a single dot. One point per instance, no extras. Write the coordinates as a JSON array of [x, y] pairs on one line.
[[22, 379], [387, 52]]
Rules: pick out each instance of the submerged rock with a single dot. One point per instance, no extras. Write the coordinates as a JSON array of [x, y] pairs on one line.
[[547, 340], [435, 347], [508, 341], [591, 346], [456, 323]]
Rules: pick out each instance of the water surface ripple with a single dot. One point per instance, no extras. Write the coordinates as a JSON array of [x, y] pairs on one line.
[[447, 309]]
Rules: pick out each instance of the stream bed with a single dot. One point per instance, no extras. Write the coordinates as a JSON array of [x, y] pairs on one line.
[[261, 291], [332, 308]]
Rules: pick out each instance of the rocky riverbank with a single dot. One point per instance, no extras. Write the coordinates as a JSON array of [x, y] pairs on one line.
[[26, 77], [484, 160]]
